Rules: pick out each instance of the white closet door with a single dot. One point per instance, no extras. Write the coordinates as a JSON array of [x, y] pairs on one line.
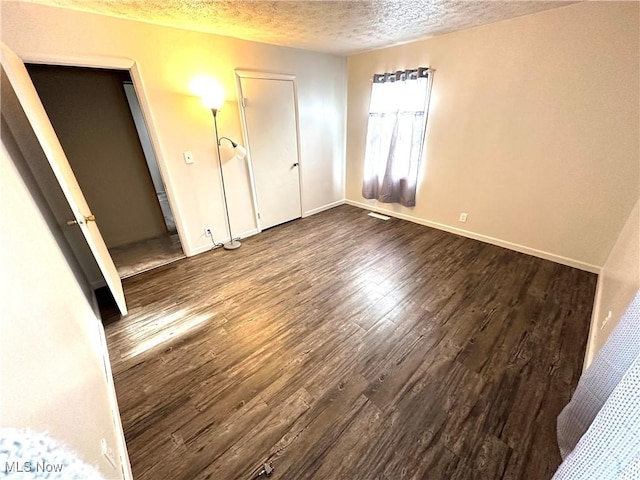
[[272, 134]]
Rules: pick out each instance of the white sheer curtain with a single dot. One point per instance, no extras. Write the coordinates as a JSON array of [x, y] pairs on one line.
[[599, 430], [395, 135]]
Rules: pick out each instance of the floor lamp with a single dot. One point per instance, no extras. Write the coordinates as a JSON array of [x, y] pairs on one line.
[[214, 100]]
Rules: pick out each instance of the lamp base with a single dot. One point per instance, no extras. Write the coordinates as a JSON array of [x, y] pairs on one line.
[[232, 245]]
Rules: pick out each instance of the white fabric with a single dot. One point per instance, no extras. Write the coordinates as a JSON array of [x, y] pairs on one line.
[[395, 132], [599, 430], [29, 455]]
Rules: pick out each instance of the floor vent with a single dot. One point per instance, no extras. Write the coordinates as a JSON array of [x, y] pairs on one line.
[[377, 215]]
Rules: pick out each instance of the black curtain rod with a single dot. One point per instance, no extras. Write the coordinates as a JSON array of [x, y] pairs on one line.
[[411, 74]]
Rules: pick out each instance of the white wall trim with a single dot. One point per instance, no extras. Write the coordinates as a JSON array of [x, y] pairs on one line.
[[161, 160], [261, 74], [90, 61], [594, 326], [98, 284], [245, 136], [111, 387], [255, 231], [199, 250], [206, 248], [617, 285], [124, 63], [328, 206], [483, 238]]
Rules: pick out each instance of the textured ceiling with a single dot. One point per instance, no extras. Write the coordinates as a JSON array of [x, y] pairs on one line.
[[340, 27]]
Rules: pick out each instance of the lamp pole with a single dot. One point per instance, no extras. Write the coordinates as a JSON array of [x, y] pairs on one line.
[[232, 244]]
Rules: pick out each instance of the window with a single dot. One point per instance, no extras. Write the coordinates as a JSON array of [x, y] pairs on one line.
[[395, 135]]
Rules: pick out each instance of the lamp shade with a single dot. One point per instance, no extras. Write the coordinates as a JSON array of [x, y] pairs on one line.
[[241, 152], [209, 90], [213, 96]]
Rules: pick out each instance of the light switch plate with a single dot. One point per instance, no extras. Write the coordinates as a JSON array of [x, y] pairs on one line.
[[188, 157]]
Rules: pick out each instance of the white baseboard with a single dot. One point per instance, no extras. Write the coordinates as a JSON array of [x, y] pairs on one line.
[[94, 304], [206, 248], [197, 251], [112, 398], [483, 238], [98, 284], [254, 231], [593, 327], [313, 211]]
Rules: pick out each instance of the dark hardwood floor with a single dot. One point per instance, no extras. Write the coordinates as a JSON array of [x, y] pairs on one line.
[[341, 346]]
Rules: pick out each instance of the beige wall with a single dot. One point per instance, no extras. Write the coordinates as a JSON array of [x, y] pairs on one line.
[[51, 340], [533, 129], [168, 59], [617, 284], [90, 114]]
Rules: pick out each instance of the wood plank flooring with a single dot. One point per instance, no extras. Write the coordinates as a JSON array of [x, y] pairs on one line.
[[341, 346]]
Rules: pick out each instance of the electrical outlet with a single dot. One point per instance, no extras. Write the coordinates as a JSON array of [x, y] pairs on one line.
[[463, 217], [107, 451], [208, 232]]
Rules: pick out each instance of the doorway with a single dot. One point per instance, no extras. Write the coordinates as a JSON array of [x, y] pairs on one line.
[[97, 117], [270, 120], [25, 121]]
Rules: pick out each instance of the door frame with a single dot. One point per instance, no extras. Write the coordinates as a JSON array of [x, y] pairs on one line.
[[123, 63], [263, 75]]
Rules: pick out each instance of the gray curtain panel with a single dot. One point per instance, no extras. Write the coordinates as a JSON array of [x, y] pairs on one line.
[[599, 430], [399, 155], [395, 136]]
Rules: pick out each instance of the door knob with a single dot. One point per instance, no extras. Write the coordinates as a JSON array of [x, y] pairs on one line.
[[89, 218], [294, 165]]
